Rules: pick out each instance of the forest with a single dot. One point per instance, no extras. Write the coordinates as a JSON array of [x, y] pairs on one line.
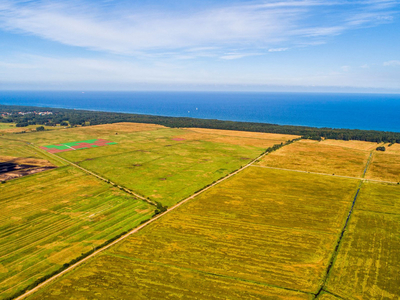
[[26, 115]]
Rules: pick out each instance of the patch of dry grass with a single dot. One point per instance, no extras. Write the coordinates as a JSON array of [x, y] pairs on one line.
[[312, 156], [384, 166]]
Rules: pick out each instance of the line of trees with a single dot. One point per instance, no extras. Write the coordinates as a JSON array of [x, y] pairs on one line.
[[73, 117]]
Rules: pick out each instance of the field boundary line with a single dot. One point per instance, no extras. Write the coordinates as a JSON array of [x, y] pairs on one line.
[[342, 233], [326, 174], [205, 272], [155, 218], [101, 178]]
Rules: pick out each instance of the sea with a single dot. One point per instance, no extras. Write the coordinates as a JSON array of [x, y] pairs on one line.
[[333, 110]]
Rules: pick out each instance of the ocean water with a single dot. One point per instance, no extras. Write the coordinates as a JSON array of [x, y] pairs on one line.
[[353, 111]]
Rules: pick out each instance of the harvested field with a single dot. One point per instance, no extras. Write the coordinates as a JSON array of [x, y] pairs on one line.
[[384, 166], [358, 145], [281, 234], [393, 149], [376, 197], [315, 156], [147, 280], [247, 134], [368, 263], [51, 218]]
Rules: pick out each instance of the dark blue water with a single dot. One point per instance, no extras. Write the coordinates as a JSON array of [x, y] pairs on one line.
[[354, 111]]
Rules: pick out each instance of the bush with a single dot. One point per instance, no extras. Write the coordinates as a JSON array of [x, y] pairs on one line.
[[40, 128], [381, 148]]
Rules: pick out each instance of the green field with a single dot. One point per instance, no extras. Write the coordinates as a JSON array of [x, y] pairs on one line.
[[282, 234], [368, 263], [50, 218], [163, 164]]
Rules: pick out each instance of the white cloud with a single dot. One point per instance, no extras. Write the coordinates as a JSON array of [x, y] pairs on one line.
[[345, 68], [277, 49], [257, 25], [392, 63]]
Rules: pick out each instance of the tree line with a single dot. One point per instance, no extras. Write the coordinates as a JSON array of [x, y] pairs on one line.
[[72, 117]]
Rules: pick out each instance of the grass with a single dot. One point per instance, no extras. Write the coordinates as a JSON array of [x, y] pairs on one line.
[[381, 198], [367, 266], [384, 166], [173, 173], [164, 164], [50, 218], [326, 296], [357, 145], [319, 157], [111, 277], [11, 128], [273, 229]]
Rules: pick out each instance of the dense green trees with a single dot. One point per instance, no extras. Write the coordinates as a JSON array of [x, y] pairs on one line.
[[82, 117]]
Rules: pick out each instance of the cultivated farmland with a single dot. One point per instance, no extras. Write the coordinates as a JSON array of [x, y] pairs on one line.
[[264, 233], [385, 166], [50, 218], [367, 266], [280, 235], [320, 157], [163, 164]]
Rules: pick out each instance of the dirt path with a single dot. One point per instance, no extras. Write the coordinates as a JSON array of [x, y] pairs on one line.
[[325, 174], [41, 285]]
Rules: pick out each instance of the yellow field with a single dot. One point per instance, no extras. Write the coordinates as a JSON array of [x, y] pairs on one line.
[[394, 149], [246, 134], [381, 198], [313, 156], [368, 264], [50, 218], [358, 145], [124, 278], [384, 166], [326, 296], [281, 234]]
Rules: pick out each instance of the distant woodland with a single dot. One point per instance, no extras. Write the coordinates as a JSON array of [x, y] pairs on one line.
[[25, 115]]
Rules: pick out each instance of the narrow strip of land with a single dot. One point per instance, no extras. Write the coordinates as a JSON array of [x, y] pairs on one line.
[[326, 174], [35, 289], [339, 241]]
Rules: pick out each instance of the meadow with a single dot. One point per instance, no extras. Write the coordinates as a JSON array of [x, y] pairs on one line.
[[50, 218], [346, 159], [163, 164], [278, 236]]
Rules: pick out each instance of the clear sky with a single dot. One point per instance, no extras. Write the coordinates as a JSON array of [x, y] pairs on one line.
[[306, 45]]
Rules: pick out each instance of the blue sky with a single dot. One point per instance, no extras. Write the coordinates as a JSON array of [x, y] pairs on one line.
[[307, 45]]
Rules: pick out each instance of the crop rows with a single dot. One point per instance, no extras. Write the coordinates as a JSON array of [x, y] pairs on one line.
[[51, 218]]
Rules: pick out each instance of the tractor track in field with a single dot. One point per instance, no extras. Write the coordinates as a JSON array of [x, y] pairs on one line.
[[39, 286]]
